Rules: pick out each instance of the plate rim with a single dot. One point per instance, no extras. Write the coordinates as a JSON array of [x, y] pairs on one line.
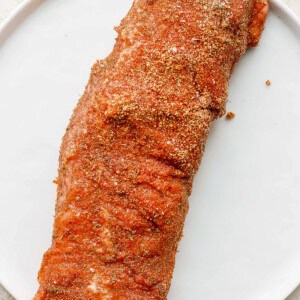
[[15, 18], [23, 10]]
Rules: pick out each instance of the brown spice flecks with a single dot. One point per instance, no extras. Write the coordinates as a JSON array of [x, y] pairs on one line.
[[134, 144], [230, 116], [268, 82]]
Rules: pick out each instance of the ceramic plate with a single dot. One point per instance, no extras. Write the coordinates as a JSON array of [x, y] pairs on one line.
[[242, 234]]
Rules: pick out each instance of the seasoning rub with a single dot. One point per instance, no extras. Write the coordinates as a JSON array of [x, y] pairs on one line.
[[135, 142]]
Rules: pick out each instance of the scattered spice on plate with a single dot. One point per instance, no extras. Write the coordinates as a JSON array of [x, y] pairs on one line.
[[230, 116]]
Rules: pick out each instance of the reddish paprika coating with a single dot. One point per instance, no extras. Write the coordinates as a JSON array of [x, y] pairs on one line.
[[134, 144]]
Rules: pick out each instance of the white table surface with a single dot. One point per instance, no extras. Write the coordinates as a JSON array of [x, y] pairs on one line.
[[6, 6]]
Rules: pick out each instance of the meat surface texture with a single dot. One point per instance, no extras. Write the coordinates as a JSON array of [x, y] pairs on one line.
[[134, 144]]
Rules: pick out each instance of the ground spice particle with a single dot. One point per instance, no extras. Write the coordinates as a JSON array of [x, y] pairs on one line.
[[268, 82], [230, 116]]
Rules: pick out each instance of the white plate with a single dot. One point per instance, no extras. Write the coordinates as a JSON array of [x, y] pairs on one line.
[[242, 235]]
